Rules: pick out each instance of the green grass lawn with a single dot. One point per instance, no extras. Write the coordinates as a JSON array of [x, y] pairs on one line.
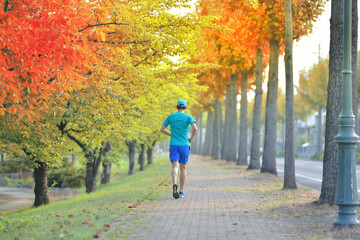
[[84, 215]]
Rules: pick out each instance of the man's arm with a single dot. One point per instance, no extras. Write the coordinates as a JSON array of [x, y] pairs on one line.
[[193, 132], [165, 131]]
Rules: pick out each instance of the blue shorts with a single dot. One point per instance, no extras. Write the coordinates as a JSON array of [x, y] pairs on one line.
[[179, 153]]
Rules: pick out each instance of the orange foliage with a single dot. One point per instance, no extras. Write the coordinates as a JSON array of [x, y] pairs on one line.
[[233, 44], [243, 27], [304, 13], [42, 51]]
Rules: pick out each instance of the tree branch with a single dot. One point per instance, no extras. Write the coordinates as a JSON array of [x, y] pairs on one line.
[[77, 141], [144, 60], [6, 5], [102, 24]]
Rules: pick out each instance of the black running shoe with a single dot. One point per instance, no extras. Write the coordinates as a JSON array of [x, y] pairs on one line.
[[175, 191]]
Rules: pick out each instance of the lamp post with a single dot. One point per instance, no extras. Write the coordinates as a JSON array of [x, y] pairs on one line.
[[347, 140]]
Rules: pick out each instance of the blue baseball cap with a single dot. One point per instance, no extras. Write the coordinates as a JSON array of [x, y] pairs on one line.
[[181, 103]]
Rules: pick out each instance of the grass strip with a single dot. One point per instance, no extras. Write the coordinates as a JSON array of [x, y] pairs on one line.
[[84, 215]]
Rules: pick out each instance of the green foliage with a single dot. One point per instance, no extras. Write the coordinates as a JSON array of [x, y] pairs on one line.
[[84, 215], [302, 139], [312, 90], [318, 155], [19, 182], [282, 154], [15, 164], [66, 177]]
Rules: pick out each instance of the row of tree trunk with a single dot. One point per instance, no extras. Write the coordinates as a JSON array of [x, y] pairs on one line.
[[131, 144], [228, 139], [95, 159], [225, 146]]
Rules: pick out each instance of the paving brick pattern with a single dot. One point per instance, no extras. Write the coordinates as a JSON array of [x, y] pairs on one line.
[[211, 210]]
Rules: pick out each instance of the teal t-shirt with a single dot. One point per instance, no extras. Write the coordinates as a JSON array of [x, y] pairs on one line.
[[179, 126]]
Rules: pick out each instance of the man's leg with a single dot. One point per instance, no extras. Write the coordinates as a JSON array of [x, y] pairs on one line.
[[175, 170], [182, 176], [174, 174]]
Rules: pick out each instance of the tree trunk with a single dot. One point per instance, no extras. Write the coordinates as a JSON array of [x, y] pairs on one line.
[[243, 146], [92, 166], [289, 169], [225, 137], [213, 129], [333, 108], [90, 177], [41, 185], [354, 40], [142, 156], [217, 124], [319, 134], [255, 139], [131, 146], [232, 137], [105, 176], [149, 153], [209, 137], [269, 154]]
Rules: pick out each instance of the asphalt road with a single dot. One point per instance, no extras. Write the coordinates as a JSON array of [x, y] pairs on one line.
[[309, 172]]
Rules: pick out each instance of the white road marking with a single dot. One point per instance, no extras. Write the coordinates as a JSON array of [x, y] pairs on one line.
[[315, 179], [303, 176]]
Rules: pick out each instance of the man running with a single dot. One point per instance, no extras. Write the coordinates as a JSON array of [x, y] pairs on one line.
[[179, 144]]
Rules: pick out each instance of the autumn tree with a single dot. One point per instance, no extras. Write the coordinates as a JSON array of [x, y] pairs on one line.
[[44, 57], [313, 90], [234, 49], [304, 13], [130, 50]]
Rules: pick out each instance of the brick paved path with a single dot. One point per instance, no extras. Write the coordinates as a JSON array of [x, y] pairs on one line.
[[213, 209]]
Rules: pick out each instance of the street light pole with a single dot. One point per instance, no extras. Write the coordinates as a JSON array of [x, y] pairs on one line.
[[347, 140]]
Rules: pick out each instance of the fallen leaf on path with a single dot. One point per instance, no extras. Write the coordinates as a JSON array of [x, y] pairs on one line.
[[71, 215], [97, 236], [87, 221], [107, 225]]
